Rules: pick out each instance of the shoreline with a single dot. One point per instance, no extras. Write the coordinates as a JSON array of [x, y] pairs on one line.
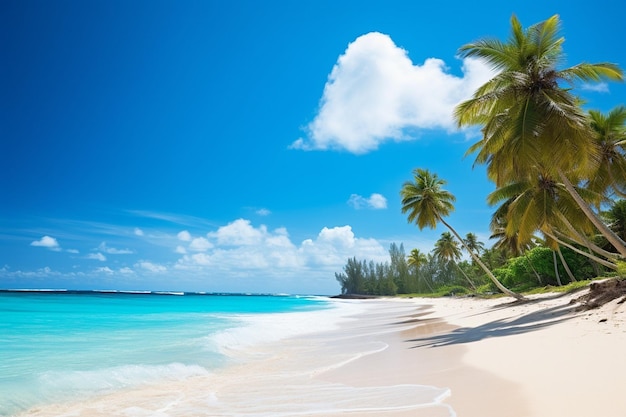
[[391, 357]]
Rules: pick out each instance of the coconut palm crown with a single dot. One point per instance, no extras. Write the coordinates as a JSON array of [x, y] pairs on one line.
[[528, 109]]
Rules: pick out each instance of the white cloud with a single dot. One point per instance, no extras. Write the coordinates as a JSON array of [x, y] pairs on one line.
[[200, 244], [126, 271], [185, 236], [180, 249], [97, 256], [104, 270], [239, 232], [334, 246], [242, 247], [152, 267], [74, 251], [375, 201], [138, 232], [597, 87], [375, 94], [113, 251], [47, 242], [263, 212]]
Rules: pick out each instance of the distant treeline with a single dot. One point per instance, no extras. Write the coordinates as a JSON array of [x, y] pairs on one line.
[[388, 278], [537, 267]]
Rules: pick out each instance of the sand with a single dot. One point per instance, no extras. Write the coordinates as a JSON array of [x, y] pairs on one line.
[[501, 358]]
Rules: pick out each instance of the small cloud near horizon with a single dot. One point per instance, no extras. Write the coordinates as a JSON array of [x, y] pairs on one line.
[[375, 202]]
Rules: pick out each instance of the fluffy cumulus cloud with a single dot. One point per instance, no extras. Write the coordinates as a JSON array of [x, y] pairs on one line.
[[200, 244], [375, 94], [47, 242], [333, 246], [375, 202], [240, 232], [240, 248]]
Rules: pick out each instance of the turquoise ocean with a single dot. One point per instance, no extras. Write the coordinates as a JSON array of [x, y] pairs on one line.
[[66, 346]]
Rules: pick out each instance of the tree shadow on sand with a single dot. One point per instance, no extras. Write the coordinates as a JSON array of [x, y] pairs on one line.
[[536, 320]]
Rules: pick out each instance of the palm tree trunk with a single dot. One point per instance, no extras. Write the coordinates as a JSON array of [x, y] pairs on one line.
[[583, 253], [566, 266], [533, 268], [556, 269], [465, 275], [594, 265], [428, 285], [582, 240], [613, 239], [492, 277]]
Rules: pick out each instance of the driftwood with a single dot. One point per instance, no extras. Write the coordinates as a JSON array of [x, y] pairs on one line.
[[601, 293]]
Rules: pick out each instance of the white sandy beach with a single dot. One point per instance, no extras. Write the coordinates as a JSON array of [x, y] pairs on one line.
[[411, 357], [499, 358]]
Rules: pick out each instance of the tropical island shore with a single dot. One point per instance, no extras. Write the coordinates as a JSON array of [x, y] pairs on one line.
[[395, 357]]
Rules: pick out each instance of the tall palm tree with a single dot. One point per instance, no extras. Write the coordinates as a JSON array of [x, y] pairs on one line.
[[415, 260], [427, 204], [447, 249], [529, 115]]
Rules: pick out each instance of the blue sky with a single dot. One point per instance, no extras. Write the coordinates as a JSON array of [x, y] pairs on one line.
[[245, 145]]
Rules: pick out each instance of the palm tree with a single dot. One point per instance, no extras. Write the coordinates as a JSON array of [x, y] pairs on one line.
[[472, 242], [428, 204], [542, 204], [610, 136], [415, 260], [509, 243], [529, 118], [447, 249], [616, 217]]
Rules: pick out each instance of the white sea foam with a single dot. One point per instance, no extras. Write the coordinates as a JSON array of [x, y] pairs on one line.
[[253, 330]]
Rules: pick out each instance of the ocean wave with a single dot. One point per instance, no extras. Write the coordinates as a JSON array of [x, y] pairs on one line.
[[251, 330]]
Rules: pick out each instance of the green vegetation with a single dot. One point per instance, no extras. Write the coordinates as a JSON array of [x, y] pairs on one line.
[[559, 172]]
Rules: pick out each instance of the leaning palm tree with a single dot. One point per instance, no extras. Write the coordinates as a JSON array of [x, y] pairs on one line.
[[427, 204], [447, 250], [530, 117], [541, 204]]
